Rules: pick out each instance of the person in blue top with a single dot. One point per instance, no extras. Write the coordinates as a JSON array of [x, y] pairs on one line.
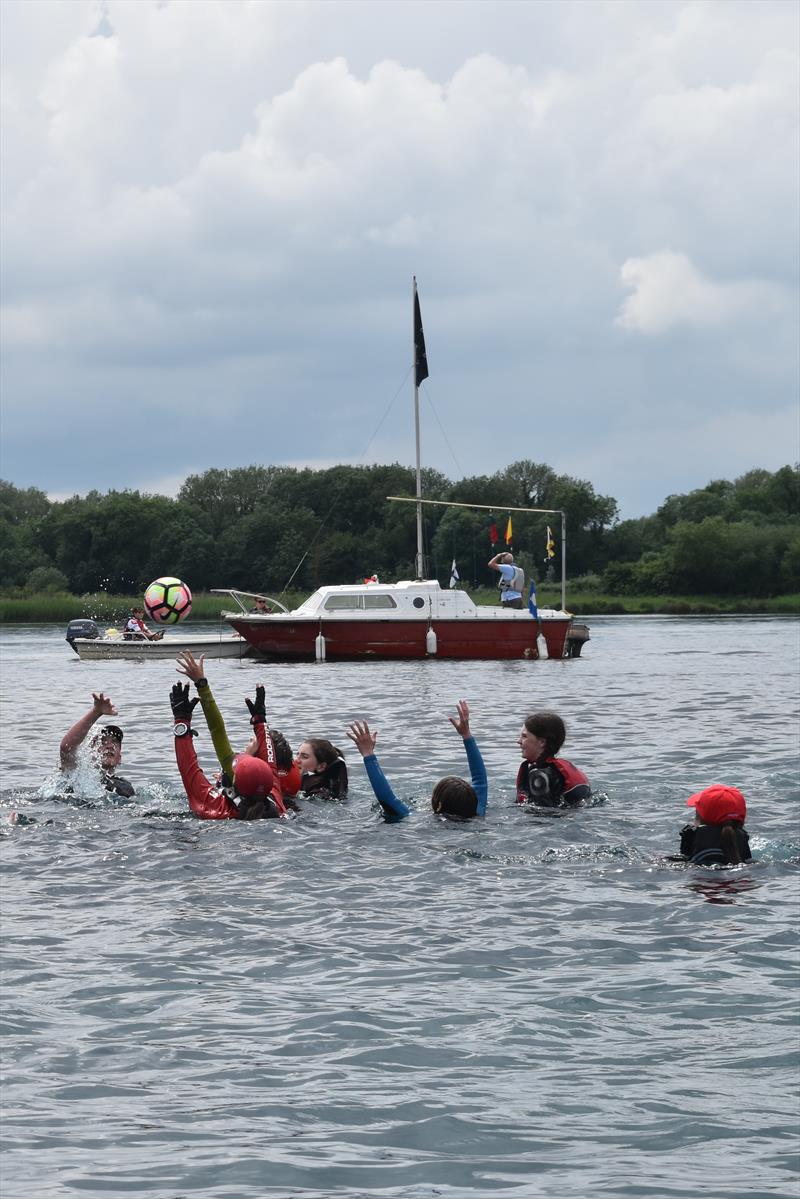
[[451, 796]]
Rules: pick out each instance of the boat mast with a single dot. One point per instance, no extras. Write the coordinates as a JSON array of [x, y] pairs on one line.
[[416, 324]]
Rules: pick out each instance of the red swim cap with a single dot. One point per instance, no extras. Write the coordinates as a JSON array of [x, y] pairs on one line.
[[718, 804], [252, 777]]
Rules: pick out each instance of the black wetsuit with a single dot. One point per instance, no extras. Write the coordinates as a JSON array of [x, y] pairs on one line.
[[703, 844]]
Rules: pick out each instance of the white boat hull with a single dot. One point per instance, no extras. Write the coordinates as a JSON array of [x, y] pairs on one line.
[[93, 649]]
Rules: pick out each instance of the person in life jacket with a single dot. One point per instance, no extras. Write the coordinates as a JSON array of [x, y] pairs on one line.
[[105, 747], [276, 750], [452, 797], [253, 791], [323, 770], [137, 630], [717, 836], [512, 579], [543, 778]]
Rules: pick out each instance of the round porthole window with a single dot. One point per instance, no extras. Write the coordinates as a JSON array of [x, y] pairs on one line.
[[419, 602]]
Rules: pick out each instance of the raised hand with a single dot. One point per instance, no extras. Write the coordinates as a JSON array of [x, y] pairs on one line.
[[103, 705], [461, 722], [257, 707], [361, 736], [188, 665], [182, 706]]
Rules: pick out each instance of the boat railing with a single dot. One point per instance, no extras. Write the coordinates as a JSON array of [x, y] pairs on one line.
[[243, 598]]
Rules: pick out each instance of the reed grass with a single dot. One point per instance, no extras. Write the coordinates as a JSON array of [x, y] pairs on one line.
[[61, 607]]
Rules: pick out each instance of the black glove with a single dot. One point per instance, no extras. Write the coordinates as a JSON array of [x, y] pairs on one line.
[[258, 709], [182, 706]]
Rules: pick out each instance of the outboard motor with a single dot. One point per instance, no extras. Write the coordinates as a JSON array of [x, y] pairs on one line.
[[81, 628]]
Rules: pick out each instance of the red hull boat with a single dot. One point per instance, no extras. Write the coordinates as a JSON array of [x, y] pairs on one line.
[[408, 620]]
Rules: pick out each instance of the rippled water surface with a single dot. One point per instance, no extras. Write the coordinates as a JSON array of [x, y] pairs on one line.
[[336, 1007]]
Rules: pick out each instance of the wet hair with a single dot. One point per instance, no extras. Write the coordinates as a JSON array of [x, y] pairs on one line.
[[256, 808], [454, 797], [283, 750], [323, 751], [730, 844], [550, 728]]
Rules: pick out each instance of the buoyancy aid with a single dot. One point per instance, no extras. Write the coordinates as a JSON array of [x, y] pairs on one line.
[[552, 783], [515, 583], [703, 844]]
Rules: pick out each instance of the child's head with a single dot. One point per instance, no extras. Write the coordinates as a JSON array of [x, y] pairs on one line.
[[454, 797], [545, 731], [719, 804]]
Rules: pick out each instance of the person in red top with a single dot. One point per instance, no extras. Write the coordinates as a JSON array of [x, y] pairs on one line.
[[543, 779], [255, 793]]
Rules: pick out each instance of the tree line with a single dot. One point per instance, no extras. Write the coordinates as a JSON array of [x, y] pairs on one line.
[[271, 528]]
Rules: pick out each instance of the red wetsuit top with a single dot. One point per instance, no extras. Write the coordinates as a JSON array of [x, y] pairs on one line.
[[210, 802], [551, 782], [289, 778]]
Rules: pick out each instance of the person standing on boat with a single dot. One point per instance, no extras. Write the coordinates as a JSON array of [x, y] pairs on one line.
[[544, 779], [512, 579], [452, 797], [137, 630], [106, 746]]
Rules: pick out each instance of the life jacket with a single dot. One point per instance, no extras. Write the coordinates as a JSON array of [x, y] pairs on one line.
[[516, 583], [703, 846], [536, 783]]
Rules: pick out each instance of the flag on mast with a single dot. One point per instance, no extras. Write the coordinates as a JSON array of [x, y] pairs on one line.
[[454, 578], [532, 608], [420, 357], [550, 551], [492, 529], [509, 531]]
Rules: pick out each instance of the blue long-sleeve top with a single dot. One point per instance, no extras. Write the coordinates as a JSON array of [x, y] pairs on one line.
[[395, 809]]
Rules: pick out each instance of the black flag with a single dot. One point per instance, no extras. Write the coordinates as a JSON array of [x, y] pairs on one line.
[[421, 358]]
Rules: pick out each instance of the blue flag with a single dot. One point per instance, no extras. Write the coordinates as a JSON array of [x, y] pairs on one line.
[[534, 611]]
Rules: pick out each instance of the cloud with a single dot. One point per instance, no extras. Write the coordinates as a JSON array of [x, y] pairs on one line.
[[668, 291], [212, 213]]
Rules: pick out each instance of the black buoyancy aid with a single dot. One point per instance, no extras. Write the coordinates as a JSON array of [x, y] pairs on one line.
[[118, 785], [703, 846], [537, 784]]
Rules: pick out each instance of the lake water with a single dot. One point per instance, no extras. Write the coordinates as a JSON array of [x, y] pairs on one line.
[[336, 1007]]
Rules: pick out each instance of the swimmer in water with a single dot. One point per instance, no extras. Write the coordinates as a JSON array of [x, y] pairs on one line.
[[452, 797], [323, 770], [254, 792], [544, 779], [717, 836], [106, 746]]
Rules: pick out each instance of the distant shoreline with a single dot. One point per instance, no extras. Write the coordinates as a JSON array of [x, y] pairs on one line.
[[109, 609]]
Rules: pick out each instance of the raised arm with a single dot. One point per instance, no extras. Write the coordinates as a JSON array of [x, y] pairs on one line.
[[72, 740], [480, 784], [365, 740], [194, 670]]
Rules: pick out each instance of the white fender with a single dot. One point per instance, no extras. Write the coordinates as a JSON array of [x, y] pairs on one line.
[[431, 643], [541, 646], [319, 648]]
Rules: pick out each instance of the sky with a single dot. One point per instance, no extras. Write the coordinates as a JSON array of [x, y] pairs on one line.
[[212, 212]]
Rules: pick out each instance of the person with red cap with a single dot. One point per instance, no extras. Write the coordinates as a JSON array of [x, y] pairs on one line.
[[717, 836], [255, 793]]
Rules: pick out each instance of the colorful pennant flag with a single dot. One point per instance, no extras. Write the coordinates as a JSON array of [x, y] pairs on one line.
[[509, 532], [420, 357], [532, 608], [492, 529], [551, 545], [454, 574]]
